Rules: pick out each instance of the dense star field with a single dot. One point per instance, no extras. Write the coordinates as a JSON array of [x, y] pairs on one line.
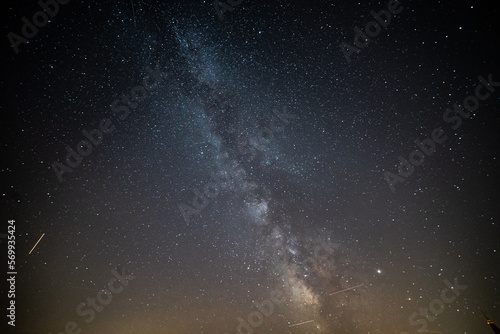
[[246, 167]]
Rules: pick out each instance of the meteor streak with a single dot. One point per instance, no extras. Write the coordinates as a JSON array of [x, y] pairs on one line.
[[36, 243], [354, 287], [133, 12], [301, 323]]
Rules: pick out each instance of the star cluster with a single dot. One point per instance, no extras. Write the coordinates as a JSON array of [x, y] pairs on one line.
[[232, 163]]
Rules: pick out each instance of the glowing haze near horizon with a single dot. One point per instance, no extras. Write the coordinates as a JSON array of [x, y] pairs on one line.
[[317, 181]]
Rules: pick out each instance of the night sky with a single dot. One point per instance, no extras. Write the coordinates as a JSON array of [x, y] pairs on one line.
[[260, 167]]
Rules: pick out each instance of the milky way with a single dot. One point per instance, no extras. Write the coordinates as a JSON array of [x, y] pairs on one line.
[[215, 168]]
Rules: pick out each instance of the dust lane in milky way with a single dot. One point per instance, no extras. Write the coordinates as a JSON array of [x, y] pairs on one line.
[[244, 167]]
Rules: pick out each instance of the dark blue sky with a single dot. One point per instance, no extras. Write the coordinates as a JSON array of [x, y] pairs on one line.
[[237, 169]]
